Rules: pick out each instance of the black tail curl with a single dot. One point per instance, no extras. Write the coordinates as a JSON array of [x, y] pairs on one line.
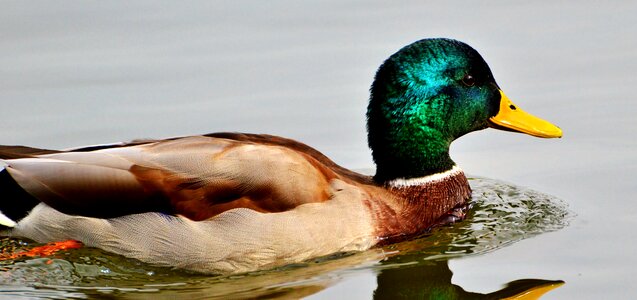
[[15, 202]]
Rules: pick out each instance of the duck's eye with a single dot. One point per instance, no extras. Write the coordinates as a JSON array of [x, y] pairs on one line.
[[468, 80]]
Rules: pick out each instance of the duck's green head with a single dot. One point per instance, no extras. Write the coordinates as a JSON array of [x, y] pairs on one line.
[[428, 94]]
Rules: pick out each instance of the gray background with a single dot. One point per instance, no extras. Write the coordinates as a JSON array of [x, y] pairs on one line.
[[95, 72]]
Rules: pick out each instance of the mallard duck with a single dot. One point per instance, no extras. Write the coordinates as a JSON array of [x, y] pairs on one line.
[[234, 202]]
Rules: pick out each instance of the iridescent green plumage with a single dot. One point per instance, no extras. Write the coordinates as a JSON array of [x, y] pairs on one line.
[[424, 97]]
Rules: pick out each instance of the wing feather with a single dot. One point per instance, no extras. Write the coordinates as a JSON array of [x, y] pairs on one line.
[[197, 176]]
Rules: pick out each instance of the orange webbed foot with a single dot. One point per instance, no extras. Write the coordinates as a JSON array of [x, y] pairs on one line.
[[42, 251]]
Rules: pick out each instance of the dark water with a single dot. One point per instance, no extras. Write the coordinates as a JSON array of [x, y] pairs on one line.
[[502, 214], [113, 71]]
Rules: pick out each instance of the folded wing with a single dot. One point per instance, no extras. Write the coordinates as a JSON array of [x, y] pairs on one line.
[[198, 177]]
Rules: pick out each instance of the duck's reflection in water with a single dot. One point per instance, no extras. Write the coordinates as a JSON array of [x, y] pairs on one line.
[[432, 280]]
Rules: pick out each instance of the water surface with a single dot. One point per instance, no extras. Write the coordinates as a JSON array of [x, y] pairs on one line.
[[114, 71]]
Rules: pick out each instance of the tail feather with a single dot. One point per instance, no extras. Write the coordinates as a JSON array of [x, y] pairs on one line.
[[12, 152], [15, 202]]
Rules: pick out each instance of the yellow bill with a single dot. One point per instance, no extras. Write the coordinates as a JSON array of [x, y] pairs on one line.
[[535, 293], [513, 118]]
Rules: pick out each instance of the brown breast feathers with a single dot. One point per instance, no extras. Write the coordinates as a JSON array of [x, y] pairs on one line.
[[413, 209]]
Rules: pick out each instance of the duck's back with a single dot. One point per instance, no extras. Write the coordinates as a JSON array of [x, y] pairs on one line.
[[197, 177]]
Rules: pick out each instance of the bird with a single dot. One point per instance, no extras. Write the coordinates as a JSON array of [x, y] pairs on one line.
[[229, 202]]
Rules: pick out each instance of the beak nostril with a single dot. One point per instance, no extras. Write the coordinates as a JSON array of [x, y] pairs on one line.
[[512, 107]]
